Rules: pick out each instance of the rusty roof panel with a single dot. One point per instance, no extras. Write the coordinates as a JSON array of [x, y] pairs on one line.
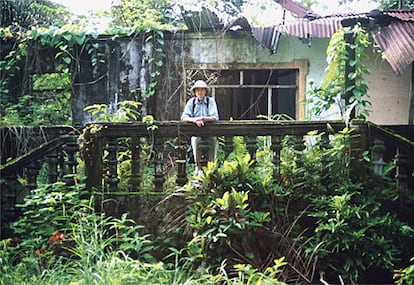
[[202, 20], [323, 27], [268, 37], [397, 42], [403, 15], [393, 31], [294, 7]]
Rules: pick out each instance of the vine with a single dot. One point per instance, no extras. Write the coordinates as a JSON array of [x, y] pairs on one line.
[[332, 90], [156, 39], [69, 42]]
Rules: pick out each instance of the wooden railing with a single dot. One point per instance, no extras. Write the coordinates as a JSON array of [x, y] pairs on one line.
[[24, 150], [395, 144], [105, 138]]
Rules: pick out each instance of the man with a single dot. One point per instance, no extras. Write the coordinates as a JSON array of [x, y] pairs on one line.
[[198, 110]]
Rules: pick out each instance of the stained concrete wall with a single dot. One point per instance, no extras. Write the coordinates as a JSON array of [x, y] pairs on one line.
[[127, 69]]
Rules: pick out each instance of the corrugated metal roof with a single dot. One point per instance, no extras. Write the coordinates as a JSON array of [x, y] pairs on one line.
[[393, 31], [204, 20], [397, 43], [268, 37], [403, 15], [295, 7]]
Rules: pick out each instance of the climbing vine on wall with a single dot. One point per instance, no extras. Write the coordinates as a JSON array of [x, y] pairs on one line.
[[332, 90], [68, 43], [156, 39]]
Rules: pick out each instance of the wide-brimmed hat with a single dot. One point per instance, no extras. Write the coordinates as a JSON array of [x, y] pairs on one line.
[[199, 84]]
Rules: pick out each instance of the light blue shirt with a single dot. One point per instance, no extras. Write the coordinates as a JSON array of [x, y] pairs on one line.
[[200, 108]]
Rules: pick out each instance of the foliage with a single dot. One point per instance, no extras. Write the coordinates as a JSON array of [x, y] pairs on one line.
[[328, 213], [69, 43], [144, 14], [355, 232], [386, 5], [45, 107], [43, 208], [125, 111], [24, 14], [234, 215], [94, 249], [406, 275], [332, 91]]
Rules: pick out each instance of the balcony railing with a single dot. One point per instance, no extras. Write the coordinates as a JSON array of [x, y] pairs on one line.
[[103, 147], [105, 141]]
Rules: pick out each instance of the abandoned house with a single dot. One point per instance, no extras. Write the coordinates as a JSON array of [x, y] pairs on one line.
[[252, 73]]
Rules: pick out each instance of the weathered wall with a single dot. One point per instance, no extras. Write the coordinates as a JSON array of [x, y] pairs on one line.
[[389, 93], [126, 72]]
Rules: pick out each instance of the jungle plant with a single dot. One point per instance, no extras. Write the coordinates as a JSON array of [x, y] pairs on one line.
[[229, 216], [354, 232], [332, 91], [126, 111], [42, 211], [325, 214], [405, 275]]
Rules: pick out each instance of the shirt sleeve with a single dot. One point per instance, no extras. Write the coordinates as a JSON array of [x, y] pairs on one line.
[[212, 109], [187, 113]]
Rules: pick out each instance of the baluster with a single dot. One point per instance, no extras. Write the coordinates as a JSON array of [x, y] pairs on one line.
[[181, 161], [92, 153], [377, 156], [112, 165], [136, 175], [52, 161], [158, 163], [8, 198], [70, 149], [32, 170], [298, 146], [324, 146], [276, 146], [401, 175], [251, 146]]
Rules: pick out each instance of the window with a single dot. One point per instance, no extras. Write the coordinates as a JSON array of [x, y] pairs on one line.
[[249, 93]]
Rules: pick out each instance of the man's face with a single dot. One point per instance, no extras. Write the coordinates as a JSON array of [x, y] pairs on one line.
[[200, 93]]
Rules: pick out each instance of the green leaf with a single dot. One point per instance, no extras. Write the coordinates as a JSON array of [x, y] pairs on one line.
[[67, 60]]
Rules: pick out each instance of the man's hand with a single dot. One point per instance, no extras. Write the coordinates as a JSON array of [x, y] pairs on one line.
[[199, 121]]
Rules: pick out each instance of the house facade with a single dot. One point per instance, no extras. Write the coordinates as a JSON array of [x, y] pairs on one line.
[[252, 73]]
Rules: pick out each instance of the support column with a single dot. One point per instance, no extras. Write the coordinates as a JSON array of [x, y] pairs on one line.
[[276, 147]]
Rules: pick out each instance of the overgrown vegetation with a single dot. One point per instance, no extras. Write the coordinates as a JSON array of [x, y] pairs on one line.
[[333, 91], [323, 220], [61, 239], [239, 225], [326, 217]]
